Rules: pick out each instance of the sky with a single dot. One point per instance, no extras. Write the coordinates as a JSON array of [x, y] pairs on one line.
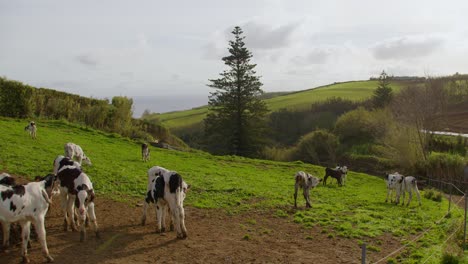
[[165, 49]]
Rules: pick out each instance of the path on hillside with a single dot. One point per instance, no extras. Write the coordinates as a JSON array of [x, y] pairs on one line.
[[214, 237]]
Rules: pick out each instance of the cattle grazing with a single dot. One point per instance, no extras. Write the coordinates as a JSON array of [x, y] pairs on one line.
[[167, 190], [62, 161], [25, 204], [74, 151], [76, 190], [145, 152], [32, 129], [306, 182], [394, 182], [339, 173], [409, 185]]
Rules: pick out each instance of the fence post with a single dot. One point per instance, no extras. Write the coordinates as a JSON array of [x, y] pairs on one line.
[[450, 200], [363, 254], [466, 190]]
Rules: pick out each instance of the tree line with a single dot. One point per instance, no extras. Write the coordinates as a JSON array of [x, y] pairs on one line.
[[19, 100]]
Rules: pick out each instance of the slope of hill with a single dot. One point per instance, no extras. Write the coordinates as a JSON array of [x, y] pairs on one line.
[[355, 90], [355, 213]]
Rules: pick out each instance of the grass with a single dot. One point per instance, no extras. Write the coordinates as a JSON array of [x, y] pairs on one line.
[[356, 211], [357, 90]]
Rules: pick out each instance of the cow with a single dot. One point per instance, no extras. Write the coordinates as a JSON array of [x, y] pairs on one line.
[[306, 182], [409, 184], [25, 204], [32, 129], [145, 152], [394, 182], [339, 173], [74, 151], [167, 190], [76, 190]]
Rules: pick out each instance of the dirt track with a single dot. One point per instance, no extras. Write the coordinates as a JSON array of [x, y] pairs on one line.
[[214, 237]]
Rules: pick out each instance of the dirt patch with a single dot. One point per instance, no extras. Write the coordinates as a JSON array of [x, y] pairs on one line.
[[214, 237]]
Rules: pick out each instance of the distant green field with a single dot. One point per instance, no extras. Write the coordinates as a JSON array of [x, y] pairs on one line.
[[358, 90], [356, 211]]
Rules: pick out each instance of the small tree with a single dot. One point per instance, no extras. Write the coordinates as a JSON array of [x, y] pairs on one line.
[[236, 124], [383, 94]]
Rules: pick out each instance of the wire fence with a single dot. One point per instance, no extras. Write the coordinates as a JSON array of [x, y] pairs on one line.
[[420, 235]]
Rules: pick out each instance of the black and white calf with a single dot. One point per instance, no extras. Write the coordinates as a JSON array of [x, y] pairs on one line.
[[339, 174], [76, 190], [8, 181], [167, 190], [74, 151], [25, 204], [145, 152], [306, 182], [62, 161], [409, 184], [32, 129], [394, 184]]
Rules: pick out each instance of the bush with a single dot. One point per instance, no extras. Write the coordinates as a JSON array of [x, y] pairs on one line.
[[316, 147]]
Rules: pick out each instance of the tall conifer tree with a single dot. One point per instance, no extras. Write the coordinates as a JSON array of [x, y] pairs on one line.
[[235, 123]]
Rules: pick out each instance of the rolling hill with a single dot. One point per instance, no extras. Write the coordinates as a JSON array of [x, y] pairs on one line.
[[234, 185], [354, 90]]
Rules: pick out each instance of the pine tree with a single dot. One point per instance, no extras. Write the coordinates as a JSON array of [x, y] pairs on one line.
[[235, 123], [383, 95]]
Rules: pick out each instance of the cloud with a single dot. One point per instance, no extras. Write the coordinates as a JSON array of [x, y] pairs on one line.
[[262, 36], [406, 47], [87, 59], [316, 56]]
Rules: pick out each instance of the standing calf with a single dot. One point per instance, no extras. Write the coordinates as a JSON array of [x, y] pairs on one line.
[[31, 127], [167, 190], [76, 190], [26, 203], [339, 173], [409, 185], [145, 152], [306, 182], [72, 150], [394, 182]]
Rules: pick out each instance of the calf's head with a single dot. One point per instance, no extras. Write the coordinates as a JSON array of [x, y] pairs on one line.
[[83, 198]]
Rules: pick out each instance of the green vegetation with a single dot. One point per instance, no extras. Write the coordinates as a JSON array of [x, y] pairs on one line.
[[235, 184], [357, 91]]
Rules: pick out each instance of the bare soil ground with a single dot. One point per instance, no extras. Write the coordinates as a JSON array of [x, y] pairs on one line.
[[214, 237]]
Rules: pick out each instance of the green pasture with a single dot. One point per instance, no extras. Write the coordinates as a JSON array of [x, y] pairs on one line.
[[358, 90], [233, 184]]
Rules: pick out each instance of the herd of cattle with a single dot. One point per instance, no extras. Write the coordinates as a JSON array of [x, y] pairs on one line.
[[30, 202], [166, 190]]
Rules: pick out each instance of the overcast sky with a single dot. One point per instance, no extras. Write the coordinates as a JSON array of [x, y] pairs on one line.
[[150, 48]]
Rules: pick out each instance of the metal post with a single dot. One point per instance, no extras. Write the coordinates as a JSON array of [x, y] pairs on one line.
[[363, 254]]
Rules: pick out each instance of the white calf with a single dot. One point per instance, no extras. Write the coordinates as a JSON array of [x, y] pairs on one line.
[[306, 182], [76, 190], [26, 203], [394, 182], [32, 129], [72, 150], [409, 185], [153, 173]]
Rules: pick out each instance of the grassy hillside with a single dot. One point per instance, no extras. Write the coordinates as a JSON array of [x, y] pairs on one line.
[[234, 184], [358, 90]]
